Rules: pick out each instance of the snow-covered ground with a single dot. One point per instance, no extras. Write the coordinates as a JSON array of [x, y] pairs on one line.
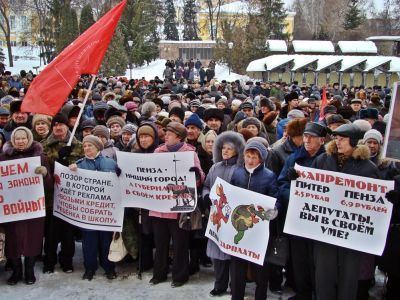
[[28, 59], [60, 285]]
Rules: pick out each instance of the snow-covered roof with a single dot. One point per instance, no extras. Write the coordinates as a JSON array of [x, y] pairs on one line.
[[301, 61], [268, 63], [384, 38], [313, 46], [187, 42], [357, 47], [375, 62], [237, 7], [276, 45], [272, 62]]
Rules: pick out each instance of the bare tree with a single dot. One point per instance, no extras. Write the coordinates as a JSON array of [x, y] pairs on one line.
[[10, 8], [213, 16]]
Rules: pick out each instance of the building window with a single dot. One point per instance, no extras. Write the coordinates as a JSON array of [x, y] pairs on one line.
[[12, 22], [24, 43], [194, 53], [24, 23], [13, 43]]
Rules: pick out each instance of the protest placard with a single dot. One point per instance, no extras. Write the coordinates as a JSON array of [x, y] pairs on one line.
[[88, 199], [21, 190], [340, 209], [237, 222], [159, 181], [391, 146]]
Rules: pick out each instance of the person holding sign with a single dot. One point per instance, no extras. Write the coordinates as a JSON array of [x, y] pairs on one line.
[[336, 268], [95, 242], [302, 248], [24, 238], [227, 156], [255, 177], [165, 225]]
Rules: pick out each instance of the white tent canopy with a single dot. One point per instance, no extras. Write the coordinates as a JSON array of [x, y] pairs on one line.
[[276, 45], [269, 63], [313, 46]]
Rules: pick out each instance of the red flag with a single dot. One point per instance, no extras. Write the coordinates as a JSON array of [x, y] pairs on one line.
[[324, 103], [52, 86]]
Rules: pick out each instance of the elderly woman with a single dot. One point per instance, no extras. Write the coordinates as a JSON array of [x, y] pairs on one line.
[[95, 242], [25, 237], [205, 152], [227, 156], [40, 127]]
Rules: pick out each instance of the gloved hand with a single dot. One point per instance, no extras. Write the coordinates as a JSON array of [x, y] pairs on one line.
[[118, 170], [196, 172], [393, 172], [271, 214], [73, 167], [292, 174], [393, 196], [63, 154], [41, 170]]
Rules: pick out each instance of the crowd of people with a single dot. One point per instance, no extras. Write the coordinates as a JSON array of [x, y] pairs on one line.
[[250, 134], [190, 70]]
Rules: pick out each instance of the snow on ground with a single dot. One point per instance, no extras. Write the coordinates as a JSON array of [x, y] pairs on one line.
[[27, 58], [60, 285]]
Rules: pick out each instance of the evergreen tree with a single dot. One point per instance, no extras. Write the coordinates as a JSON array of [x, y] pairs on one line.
[[272, 17], [139, 24], [115, 61], [87, 18], [190, 21], [170, 26], [353, 17], [69, 29]]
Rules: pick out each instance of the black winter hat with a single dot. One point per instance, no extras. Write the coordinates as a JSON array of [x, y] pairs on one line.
[[291, 96], [315, 129], [59, 118], [15, 106], [177, 111], [349, 130], [369, 113], [213, 113]]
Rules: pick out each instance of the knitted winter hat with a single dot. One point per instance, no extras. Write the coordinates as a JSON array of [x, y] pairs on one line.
[[42, 118], [251, 121], [129, 128], [115, 119], [94, 140], [28, 134], [146, 129], [195, 120], [59, 118], [373, 134], [101, 131]]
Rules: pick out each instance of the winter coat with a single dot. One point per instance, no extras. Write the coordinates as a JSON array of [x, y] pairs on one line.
[[300, 157], [278, 155], [51, 146], [109, 150], [25, 237], [223, 169], [205, 159], [184, 148], [11, 125]]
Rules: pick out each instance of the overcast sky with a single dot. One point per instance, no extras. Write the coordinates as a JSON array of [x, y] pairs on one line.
[[378, 3]]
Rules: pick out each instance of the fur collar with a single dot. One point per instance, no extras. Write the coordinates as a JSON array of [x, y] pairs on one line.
[[361, 152], [35, 149]]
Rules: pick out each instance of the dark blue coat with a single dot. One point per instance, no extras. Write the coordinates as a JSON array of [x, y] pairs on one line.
[[100, 163]]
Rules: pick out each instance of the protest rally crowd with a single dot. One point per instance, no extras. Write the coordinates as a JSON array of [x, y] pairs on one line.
[[250, 134]]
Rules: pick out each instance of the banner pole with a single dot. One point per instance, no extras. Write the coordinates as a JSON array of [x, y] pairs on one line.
[[81, 110]]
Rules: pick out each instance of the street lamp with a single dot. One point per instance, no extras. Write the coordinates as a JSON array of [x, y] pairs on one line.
[[130, 44], [230, 46]]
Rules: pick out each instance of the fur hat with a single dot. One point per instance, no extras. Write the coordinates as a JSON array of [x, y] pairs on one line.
[[363, 125], [15, 106], [59, 118], [296, 127], [146, 129], [270, 117], [195, 120], [369, 113], [266, 102], [101, 130], [247, 134], [255, 145], [115, 119], [28, 134], [163, 121], [251, 121], [213, 113], [94, 140], [291, 96], [231, 137], [177, 111], [373, 134], [43, 118], [177, 128], [295, 113]]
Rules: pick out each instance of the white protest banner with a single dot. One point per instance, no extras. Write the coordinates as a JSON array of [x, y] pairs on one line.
[[340, 209], [158, 181], [21, 190], [88, 199], [391, 146], [237, 222]]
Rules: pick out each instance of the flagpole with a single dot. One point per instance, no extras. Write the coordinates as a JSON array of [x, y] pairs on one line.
[[81, 110]]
